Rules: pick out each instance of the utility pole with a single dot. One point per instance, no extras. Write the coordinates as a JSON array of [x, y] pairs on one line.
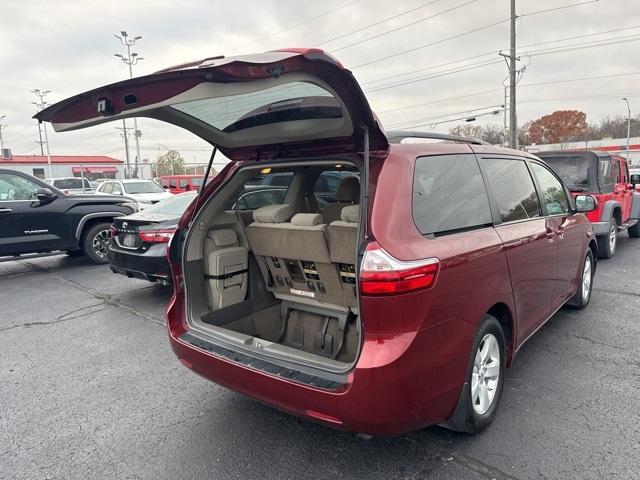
[[628, 127], [1, 127], [41, 106], [130, 60], [125, 135], [513, 78], [41, 143]]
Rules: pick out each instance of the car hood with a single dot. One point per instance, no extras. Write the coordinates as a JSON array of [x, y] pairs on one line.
[[152, 197], [278, 103]]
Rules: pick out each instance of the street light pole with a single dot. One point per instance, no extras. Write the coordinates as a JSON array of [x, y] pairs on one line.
[[41, 106], [628, 126], [130, 60]]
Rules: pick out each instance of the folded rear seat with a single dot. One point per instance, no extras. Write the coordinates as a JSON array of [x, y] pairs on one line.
[[225, 268], [343, 237]]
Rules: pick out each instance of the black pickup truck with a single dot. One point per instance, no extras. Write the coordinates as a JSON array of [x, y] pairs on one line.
[[37, 217]]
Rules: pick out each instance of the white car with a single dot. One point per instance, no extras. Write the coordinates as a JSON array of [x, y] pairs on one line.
[[144, 192], [71, 185]]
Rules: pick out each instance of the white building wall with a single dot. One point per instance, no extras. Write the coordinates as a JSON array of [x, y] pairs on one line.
[[59, 170], [634, 153]]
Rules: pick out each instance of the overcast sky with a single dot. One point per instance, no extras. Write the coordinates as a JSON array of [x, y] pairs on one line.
[[68, 47]]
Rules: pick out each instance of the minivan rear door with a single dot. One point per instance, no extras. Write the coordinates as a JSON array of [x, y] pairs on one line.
[[284, 102]]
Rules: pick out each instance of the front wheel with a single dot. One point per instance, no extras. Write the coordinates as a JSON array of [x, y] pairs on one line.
[[482, 391], [96, 243], [607, 243], [582, 296]]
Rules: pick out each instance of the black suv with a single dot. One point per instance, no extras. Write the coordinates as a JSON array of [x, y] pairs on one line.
[[37, 217]]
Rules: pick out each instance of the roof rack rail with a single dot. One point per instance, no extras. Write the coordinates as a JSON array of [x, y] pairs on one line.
[[396, 136]]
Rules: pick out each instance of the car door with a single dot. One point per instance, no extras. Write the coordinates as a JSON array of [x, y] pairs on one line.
[[529, 244], [569, 233], [26, 223], [625, 188]]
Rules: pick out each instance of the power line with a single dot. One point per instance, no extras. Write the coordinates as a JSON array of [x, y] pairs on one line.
[[431, 44], [352, 32], [597, 77], [557, 8], [581, 46], [494, 112], [404, 26], [438, 117], [589, 97], [442, 100], [295, 25]]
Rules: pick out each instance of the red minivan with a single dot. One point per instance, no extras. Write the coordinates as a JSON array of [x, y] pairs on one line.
[[396, 305], [181, 183]]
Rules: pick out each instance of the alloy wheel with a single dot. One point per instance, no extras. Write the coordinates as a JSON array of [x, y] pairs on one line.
[[613, 239], [586, 279], [101, 243], [485, 375]]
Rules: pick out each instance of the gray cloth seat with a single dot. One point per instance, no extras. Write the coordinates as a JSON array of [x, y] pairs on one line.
[[347, 193], [226, 264], [343, 236]]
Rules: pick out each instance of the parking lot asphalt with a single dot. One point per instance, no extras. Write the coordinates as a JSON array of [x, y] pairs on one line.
[[89, 388]]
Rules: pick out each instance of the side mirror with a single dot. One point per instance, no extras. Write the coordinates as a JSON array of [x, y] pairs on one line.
[[45, 195], [634, 179], [586, 203]]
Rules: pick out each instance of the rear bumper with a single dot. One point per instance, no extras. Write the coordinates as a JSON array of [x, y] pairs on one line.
[[151, 265], [395, 387]]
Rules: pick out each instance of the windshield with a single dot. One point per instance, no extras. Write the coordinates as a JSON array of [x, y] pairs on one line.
[[175, 205], [142, 187], [574, 171]]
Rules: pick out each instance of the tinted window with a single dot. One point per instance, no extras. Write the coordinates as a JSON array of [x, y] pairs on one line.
[[449, 194], [117, 188], [183, 183], [625, 172], [38, 172], [107, 187], [552, 192], [513, 188], [68, 183], [172, 183], [197, 181]]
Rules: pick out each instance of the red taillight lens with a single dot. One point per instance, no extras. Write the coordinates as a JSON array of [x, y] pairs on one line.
[[113, 231], [157, 236], [381, 274]]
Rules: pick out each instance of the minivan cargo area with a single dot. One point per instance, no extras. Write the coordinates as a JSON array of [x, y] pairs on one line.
[[280, 276]]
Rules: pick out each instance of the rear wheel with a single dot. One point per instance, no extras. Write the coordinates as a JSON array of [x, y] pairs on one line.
[[607, 243], [481, 393], [582, 296], [95, 243]]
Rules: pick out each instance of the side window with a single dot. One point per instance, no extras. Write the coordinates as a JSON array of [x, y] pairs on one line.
[[513, 188], [326, 186], [107, 187], [260, 198], [15, 187], [184, 182], [163, 183], [624, 172], [38, 172], [615, 174], [553, 193], [605, 172], [449, 194], [173, 183], [117, 189]]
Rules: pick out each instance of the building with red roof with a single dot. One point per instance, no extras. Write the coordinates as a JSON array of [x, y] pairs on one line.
[[90, 166]]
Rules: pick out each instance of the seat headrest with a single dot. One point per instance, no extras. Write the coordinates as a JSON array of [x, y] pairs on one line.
[[306, 219], [225, 237], [274, 213], [348, 190], [350, 214]]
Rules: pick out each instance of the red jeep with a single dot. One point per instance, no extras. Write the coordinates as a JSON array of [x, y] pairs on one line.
[[606, 177]]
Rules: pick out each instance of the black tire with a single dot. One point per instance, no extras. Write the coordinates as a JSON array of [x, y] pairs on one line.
[[634, 231], [466, 418], [607, 243], [75, 253], [94, 243], [581, 298]]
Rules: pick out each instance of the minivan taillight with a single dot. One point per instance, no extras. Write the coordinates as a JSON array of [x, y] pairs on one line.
[[157, 236], [381, 274]]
